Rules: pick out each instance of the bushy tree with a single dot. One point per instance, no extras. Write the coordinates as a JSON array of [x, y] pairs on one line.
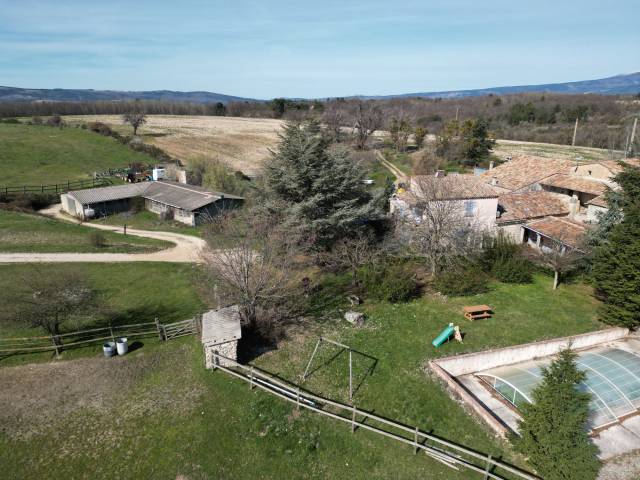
[[218, 176], [616, 260], [419, 134], [319, 192], [553, 429], [399, 129], [465, 142]]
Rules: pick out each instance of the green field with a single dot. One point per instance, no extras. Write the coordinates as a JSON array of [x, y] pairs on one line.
[[170, 417], [23, 232], [36, 155]]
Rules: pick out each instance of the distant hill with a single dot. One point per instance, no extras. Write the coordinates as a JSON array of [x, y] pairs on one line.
[[13, 94], [617, 85]]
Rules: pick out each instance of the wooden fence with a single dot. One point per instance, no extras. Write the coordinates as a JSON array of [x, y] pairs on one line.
[[83, 338], [448, 453], [56, 187]]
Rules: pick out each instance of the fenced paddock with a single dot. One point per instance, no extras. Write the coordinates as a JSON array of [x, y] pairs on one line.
[[448, 453], [55, 187], [84, 338]]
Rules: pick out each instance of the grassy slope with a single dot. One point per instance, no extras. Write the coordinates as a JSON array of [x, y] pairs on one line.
[[35, 155], [22, 232], [232, 432]]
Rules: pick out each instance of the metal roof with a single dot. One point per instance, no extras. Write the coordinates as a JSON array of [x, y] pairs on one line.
[[174, 194], [109, 194], [222, 325]]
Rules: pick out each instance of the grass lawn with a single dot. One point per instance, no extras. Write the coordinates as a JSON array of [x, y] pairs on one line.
[[146, 220], [169, 417], [36, 155], [401, 160], [134, 293], [24, 232]]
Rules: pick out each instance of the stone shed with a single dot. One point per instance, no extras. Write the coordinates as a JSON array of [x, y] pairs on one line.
[[220, 334]]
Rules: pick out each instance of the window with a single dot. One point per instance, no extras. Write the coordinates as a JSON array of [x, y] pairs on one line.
[[469, 208]]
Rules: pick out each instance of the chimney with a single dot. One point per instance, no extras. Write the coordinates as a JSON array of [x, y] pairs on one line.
[[494, 181], [574, 206], [440, 173], [491, 164]]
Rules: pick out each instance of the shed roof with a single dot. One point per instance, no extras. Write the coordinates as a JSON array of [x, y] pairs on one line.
[[525, 170], [567, 231], [530, 205], [599, 201], [575, 183], [109, 194], [174, 194], [222, 325]]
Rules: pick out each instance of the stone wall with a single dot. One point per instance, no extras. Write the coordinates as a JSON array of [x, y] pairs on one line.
[[226, 349]]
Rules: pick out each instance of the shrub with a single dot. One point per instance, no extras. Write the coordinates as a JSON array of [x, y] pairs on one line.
[[14, 121], [37, 121], [100, 128], [97, 239], [31, 202], [462, 280], [55, 121], [513, 270], [390, 282]]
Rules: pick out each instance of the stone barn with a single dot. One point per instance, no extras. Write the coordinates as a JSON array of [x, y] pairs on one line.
[[220, 334]]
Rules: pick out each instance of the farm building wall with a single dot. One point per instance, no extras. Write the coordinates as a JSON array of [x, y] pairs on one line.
[[109, 208], [225, 349]]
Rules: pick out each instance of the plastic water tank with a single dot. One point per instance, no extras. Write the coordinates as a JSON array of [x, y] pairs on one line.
[[109, 349], [158, 174], [89, 213], [122, 346]]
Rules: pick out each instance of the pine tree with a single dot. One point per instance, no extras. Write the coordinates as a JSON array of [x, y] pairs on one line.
[[553, 428], [318, 191], [616, 261]]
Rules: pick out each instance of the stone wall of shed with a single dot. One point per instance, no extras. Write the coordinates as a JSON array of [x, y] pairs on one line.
[[226, 349]]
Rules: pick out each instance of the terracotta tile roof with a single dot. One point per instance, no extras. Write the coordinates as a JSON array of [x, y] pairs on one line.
[[529, 205], [567, 231], [450, 187], [525, 170], [599, 201], [575, 183]]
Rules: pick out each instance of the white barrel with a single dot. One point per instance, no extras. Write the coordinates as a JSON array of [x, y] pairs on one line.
[[122, 346], [109, 349], [89, 213]]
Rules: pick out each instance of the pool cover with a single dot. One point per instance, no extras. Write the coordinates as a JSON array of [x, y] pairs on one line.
[[612, 379]]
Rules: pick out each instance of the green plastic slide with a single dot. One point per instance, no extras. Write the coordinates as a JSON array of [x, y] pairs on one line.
[[444, 336]]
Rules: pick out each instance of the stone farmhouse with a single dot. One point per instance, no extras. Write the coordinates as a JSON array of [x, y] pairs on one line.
[[184, 203]]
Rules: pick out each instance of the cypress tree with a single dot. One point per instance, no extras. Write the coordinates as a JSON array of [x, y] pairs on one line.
[[318, 191], [616, 260], [553, 431]]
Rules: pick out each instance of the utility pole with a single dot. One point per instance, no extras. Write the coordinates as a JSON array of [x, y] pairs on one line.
[[457, 112], [633, 137], [575, 132]]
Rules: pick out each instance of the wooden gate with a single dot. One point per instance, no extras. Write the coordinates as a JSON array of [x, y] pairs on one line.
[[179, 329]]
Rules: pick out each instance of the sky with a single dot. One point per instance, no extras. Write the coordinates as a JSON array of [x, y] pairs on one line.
[[325, 48]]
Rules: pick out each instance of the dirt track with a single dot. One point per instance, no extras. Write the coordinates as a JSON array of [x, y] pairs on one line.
[[187, 248]]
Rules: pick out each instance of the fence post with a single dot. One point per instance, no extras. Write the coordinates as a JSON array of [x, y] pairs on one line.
[[111, 332], [54, 340], [353, 419], [251, 384], [159, 329], [486, 470], [298, 399], [415, 442]]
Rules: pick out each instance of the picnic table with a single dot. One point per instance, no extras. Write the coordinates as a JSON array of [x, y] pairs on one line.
[[476, 312]]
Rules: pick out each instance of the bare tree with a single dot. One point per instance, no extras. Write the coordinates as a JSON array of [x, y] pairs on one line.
[[135, 119], [256, 272], [399, 129], [334, 118], [558, 256], [433, 221], [367, 118], [352, 253], [47, 299]]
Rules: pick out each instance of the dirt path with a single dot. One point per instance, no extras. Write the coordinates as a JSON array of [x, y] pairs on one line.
[[399, 174], [187, 248]]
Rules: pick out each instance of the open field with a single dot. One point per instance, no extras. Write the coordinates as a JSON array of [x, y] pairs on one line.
[[241, 142], [512, 148], [36, 155], [159, 414], [23, 232]]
